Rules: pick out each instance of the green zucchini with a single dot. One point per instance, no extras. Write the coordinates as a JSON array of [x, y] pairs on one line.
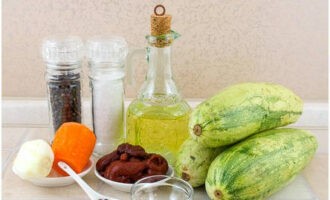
[[242, 110], [260, 165], [193, 161]]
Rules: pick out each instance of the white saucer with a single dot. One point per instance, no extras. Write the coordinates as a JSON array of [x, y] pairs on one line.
[[57, 180], [125, 187]]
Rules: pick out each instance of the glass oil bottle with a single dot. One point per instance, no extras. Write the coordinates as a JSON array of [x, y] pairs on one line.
[[158, 118]]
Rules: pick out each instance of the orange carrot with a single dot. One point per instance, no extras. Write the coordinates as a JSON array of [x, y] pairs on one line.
[[73, 144]]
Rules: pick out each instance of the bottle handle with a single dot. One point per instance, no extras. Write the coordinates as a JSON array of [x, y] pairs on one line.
[[129, 64]]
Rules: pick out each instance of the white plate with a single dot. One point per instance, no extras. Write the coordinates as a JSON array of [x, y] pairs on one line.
[[57, 180], [125, 187]]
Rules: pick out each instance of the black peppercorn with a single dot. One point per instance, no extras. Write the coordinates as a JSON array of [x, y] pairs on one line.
[[65, 99]]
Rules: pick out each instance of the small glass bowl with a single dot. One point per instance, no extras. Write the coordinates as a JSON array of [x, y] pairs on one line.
[[161, 187]]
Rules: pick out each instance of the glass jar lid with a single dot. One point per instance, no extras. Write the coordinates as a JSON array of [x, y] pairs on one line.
[[62, 49], [102, 49]]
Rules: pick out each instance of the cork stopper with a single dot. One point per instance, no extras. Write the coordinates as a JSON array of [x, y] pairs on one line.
[[160, 21]]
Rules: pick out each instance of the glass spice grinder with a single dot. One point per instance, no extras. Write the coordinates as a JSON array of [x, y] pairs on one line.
[[106, 58], [63, 57]]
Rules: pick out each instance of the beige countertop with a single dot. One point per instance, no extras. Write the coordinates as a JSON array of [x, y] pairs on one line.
[[316, 173]]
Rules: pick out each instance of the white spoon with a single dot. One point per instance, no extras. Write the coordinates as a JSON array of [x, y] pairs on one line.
[[92, 194]]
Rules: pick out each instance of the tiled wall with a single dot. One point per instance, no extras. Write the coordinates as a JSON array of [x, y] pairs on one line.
[[223, 41]]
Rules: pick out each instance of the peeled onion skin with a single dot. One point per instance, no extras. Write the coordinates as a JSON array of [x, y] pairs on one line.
[[34, 159]]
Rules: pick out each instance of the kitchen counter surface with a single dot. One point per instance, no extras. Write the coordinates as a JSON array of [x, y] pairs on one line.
[[13, 188]]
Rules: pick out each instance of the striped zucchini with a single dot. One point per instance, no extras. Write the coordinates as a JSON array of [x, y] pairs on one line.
[[242, 110], [260, 165], [193, 161]]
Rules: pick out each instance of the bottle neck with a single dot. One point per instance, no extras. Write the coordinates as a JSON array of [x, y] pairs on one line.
[[159, 82], [159, 60]]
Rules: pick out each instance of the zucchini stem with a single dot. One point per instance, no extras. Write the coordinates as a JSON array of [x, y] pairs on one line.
[[197, 130]]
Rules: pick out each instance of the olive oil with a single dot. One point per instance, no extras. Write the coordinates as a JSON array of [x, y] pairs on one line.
[[159, 129], [158, 118]]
